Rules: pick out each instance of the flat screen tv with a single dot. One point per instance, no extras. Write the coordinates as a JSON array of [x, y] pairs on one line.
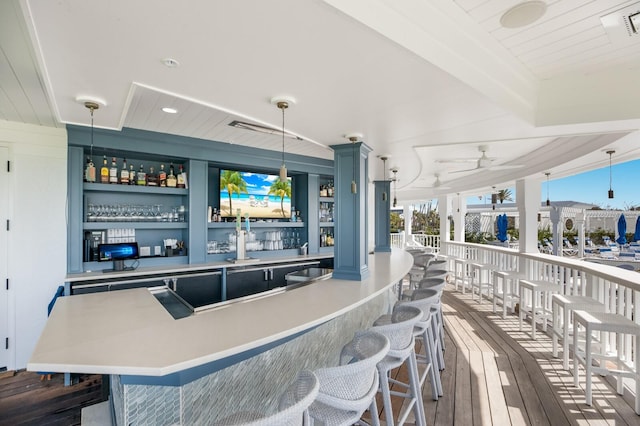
[[118, 253], [259, 195]]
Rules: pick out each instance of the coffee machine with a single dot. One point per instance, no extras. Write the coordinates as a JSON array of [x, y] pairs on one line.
[[92, 239]]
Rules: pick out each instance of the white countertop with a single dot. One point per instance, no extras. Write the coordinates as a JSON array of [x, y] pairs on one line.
[[128, 331]]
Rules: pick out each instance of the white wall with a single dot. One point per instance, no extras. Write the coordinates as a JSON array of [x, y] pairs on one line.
[[38, 235]]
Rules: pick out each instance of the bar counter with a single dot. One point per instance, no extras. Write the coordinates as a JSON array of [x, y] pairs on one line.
[[130, 336]]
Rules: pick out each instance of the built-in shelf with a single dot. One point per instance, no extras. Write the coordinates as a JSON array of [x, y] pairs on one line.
[[104, 187], [326, 224], [232, 225], [90, 226], [326, 199]]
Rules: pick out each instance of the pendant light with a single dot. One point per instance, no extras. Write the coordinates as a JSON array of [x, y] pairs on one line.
[[547, 175], [611, 152], [384, 177], [494, 198], [283, 103], [395, 187]]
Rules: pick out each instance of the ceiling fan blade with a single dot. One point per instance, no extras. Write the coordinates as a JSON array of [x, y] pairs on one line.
[[465, 170], [457, 160], [506, 167]]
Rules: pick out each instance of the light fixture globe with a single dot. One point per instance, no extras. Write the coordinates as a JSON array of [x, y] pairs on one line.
[[283, 102], [523, 14]]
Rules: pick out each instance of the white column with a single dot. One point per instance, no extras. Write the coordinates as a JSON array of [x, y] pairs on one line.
[[444, 209], [407, 212], [459, 214], [579, 223], [528, 201], [556, 228]]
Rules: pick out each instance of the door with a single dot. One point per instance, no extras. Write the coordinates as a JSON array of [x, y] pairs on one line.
[[4, 293]]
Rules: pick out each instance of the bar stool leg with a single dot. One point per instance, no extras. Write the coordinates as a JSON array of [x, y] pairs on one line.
[[576, 379], [534, 302], [417, 392]]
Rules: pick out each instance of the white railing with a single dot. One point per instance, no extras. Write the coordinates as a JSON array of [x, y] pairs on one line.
[[617, 288], [400, 240]]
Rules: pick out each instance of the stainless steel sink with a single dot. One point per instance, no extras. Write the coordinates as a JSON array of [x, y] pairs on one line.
[[174, 304]]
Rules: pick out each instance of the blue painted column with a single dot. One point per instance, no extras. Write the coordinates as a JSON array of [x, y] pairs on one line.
[[382, 194], [197, 214], [350, 215]]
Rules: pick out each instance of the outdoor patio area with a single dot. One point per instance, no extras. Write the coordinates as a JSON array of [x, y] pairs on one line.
[[497, 375]]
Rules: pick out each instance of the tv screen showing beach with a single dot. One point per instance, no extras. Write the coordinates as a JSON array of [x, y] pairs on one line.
[[256, 194]]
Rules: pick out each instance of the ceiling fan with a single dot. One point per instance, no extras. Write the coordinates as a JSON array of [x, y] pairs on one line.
[[483, 162], [437, 184]]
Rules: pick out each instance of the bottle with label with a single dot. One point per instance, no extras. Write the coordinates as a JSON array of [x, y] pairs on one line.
[[162, 176], [124, 173], [171, 178], [90, 171], [104, 171], [182, 182], [113, 171], [141, 178], [152, 179], [132, 175]]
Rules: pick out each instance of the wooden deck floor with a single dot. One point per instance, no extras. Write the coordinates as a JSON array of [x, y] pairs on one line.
[[495, 375]]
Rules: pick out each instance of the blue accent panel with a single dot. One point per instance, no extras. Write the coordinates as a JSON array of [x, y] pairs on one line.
[[312, 219], [186, 376], [382, 211], [161, 144], [197, 214], [223, 285], [75, 237], [350, 214], [302, 201]]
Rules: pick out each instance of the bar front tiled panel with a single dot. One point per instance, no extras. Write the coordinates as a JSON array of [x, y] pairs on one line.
[[251, 385]]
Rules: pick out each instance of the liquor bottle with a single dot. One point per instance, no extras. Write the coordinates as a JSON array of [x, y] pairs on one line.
[[162, 176], [113, 171], [90, 171], [132, 175], [182, 181], [171, 178], [104, 171], [152, 179], [141, 177], [124, 173]]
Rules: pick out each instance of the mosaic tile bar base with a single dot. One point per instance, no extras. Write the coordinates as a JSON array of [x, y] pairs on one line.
[[251, 385]]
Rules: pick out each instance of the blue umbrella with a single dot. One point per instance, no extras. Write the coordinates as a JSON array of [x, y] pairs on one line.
[[501, 222], [622, 230], [636, 236]]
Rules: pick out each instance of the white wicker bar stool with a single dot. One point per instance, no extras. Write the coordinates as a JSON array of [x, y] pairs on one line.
[[437, 322], [424, 330], [346, 391], [538, 306], [402, 350], [563, 324], [624, 367], [292, 409]]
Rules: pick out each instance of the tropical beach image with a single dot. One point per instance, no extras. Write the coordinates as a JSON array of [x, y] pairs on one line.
[[255, 194]]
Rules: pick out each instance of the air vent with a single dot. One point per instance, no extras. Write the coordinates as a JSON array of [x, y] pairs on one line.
[[623, 26], [262, 129]]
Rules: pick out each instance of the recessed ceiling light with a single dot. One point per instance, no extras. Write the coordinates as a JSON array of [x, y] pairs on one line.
[[171, 63], [523, 14], [170, 110]]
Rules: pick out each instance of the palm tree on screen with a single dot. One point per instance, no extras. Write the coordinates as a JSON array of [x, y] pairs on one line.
[[233, 182], [281, 189]]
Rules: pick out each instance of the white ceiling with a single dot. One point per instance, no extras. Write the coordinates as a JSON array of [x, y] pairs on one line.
[[426, 82]]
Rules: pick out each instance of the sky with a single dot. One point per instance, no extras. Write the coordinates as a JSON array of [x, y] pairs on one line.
[[592, 187]]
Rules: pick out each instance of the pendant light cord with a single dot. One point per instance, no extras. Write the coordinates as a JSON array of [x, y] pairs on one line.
[[610, 173], [91, 148], [282, 108]]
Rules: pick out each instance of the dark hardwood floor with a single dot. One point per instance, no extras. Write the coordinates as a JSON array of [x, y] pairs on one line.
[[26, 400]]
